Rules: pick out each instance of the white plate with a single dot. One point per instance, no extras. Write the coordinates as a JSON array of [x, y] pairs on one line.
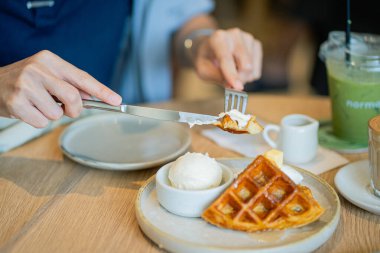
[[191, 235], [353, 182], [115, 141]]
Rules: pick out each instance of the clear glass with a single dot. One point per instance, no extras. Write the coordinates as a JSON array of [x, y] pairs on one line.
[[374, 153], [354, 83]]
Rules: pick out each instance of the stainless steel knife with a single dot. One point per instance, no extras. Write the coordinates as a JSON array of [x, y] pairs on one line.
[[153, 113]]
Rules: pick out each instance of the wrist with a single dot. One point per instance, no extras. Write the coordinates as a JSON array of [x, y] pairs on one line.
[[192, 41]]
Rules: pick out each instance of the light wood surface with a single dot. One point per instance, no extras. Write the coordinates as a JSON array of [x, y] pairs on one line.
[[50, 204]]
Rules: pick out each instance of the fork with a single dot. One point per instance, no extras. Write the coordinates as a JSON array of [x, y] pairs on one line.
[[240, 97]]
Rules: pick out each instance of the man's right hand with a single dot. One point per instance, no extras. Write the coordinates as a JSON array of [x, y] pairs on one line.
[[27, 88]]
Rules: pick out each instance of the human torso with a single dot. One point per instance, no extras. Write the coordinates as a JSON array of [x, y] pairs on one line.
[[86, 33]]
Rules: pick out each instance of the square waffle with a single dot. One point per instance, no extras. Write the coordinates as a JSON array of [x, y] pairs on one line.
[[263, 198]]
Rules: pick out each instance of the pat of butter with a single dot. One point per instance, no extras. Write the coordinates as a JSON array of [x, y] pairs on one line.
[[276, 156]]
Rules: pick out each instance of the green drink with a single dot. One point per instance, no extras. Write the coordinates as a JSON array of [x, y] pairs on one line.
[[354, 83]]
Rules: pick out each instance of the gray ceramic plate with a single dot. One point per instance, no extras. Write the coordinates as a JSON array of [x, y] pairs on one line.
[[115, 141], [178, 234]]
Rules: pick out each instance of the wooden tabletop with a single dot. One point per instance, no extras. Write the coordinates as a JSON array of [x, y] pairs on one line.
[[50, 204]]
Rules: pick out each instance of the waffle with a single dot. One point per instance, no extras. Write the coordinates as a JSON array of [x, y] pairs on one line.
[[263, 198], [230, 125]]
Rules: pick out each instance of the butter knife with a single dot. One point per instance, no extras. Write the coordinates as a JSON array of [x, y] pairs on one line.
[[153, 113]]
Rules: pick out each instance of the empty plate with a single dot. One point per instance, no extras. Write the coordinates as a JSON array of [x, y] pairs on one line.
[[115, 141]]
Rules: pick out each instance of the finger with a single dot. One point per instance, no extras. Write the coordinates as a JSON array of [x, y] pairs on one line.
[[43, 101], [84, 95], [26, 112], [222, 48], [246, 77], [241, 53], [207, 70], [248, 42], [67, 94], [257, 59], [78, 78], [246, 72], [228, 68], [91, 86]]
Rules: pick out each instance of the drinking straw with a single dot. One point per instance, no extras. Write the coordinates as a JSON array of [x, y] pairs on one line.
[[348, 33]]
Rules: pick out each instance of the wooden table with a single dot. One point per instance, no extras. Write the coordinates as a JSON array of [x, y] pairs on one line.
[[50, 204]]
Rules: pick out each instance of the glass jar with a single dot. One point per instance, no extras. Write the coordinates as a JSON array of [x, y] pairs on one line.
[[374, 153], [354, 83]]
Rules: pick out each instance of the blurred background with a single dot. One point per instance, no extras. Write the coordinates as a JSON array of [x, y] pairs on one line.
[[291, 32]]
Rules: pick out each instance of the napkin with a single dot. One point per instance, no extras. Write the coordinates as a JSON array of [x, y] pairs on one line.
[[19, 132], [14, 133], [253, 145], [5, 122]]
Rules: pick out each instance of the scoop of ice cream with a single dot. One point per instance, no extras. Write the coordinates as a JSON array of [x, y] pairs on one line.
[[195, 171]]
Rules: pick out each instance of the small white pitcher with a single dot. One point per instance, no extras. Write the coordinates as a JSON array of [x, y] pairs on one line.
[[297, 137]]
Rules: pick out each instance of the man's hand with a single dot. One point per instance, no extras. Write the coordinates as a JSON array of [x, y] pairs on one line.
[[229, 57], [27, 88]]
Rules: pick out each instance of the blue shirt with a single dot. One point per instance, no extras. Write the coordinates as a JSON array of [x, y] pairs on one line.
[[102, 38], [86, 33], [145, 74]]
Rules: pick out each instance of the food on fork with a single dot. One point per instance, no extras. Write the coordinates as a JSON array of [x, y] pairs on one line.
[[263, 198], [195, 171], [238, 123]]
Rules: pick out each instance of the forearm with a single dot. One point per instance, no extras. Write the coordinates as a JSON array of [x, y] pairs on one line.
[[183, 55]]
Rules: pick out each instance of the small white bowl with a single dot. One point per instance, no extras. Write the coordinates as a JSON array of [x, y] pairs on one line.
[[188, 203]]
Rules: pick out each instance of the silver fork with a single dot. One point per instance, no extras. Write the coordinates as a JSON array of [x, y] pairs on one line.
[[235, 100]]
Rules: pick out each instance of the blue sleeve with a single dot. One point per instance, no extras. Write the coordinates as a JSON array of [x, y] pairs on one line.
[[154, 24]]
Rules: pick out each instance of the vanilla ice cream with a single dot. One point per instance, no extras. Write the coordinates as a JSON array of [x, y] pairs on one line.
[[195, 171]]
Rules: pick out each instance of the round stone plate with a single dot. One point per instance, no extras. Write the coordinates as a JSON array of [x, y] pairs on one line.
[[115, 141], [190, 235]]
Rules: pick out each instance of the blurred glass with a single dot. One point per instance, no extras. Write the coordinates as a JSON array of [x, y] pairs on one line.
[[354, 83]]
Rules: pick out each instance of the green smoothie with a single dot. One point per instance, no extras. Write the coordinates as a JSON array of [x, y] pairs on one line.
[[355, 97]]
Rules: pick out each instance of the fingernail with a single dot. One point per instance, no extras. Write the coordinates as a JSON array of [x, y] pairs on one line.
[[238, 84], [248, 65], [116, 98]]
